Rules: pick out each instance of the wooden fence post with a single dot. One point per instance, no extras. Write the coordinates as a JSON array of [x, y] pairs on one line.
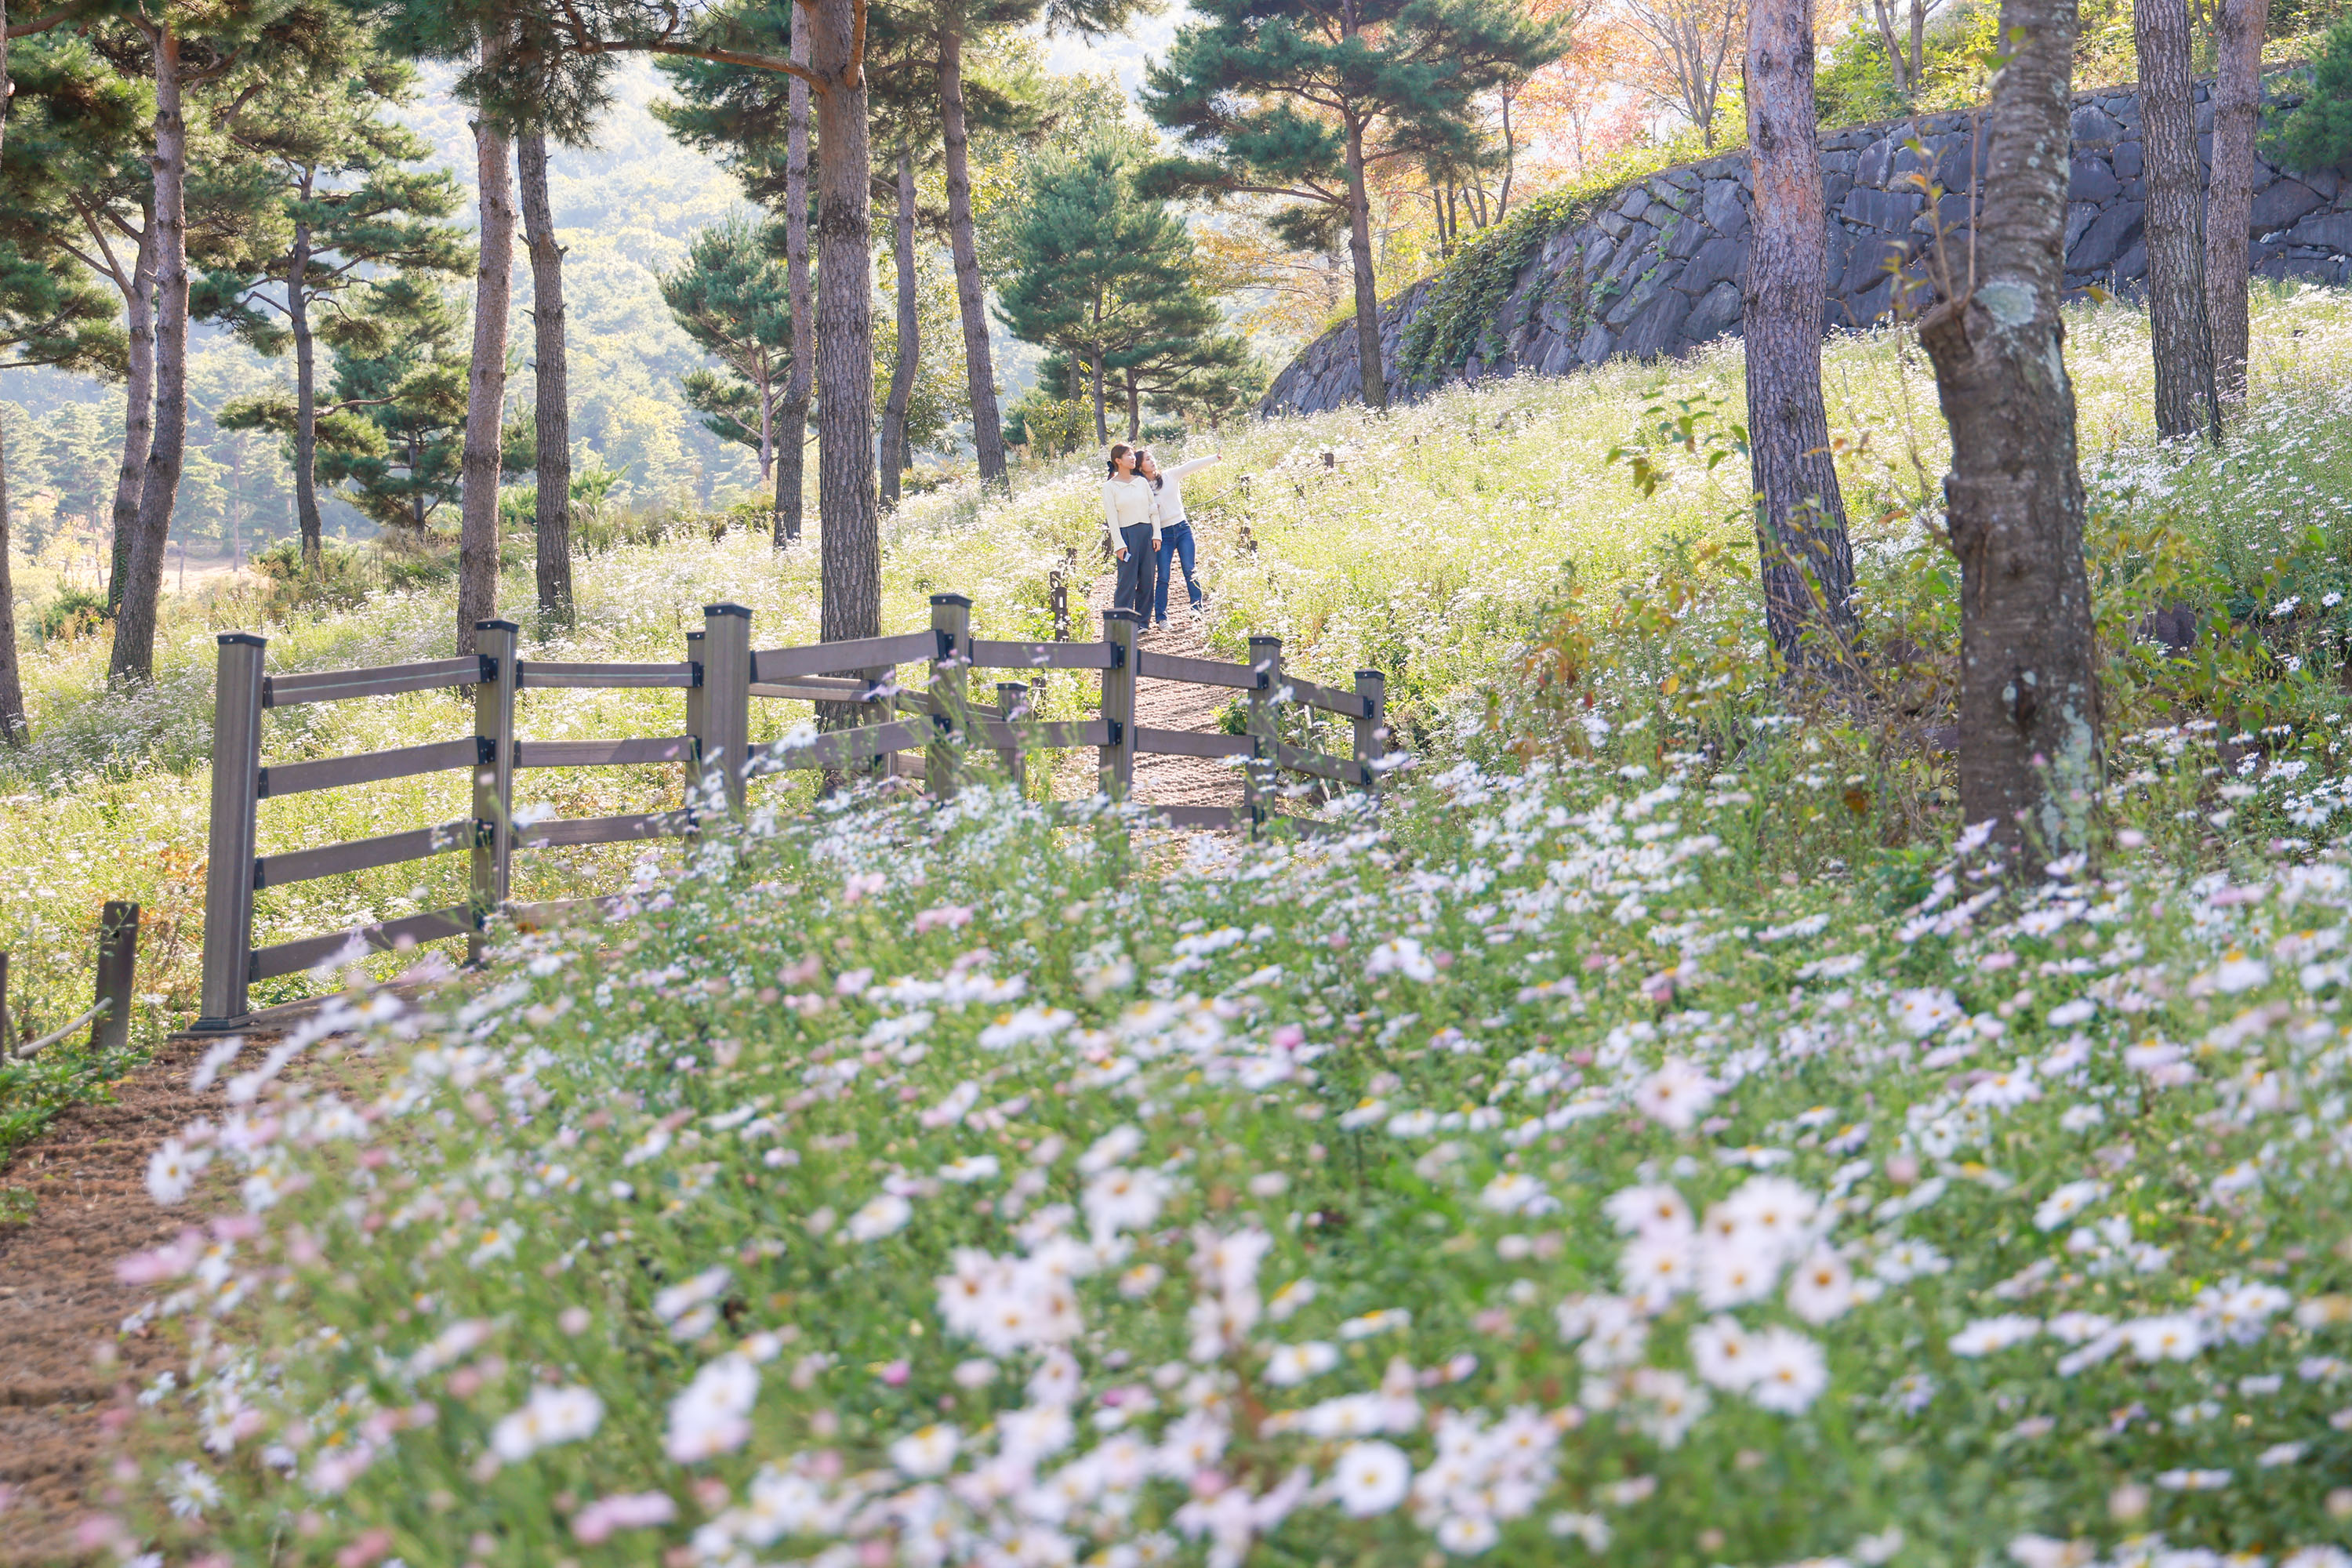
[[1013, 698], [1057, 598], [1372, 728], [697, 716], [118, 971], [727, 696], [1117, 760], [229, 876], [951, 624], [494, 711], [1262, 775]]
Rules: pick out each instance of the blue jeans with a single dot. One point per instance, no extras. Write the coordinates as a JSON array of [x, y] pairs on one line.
[[1175, 540]]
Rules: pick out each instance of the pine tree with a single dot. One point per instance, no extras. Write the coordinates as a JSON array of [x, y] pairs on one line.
[[733, 297], [179, 44], [56, 314], [350, 204], [1301, 99], [1101, 274], [395, 431]]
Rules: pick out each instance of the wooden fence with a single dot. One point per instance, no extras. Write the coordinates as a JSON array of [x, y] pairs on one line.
[[720, 676]]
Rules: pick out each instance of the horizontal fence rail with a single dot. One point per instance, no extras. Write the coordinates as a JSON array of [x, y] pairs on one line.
[[384, 680], [932, 729]]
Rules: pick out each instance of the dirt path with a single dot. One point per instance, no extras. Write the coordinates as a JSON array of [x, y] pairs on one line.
[[1169, 705], [65, 1369]]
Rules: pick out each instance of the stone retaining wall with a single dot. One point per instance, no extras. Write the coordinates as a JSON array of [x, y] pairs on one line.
[[1657, 269]]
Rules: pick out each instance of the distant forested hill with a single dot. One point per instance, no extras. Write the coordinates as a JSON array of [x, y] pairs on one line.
[[625, 211]]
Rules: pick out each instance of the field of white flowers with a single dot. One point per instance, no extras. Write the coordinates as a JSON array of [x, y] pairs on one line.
[[1651, 1138], [1437, 543], [1523, 1181]]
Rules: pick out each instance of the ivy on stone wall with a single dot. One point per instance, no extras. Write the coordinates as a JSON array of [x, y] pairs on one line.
[[1465, 298]]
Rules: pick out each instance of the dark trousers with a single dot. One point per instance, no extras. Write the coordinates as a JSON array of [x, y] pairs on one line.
[[1176, 545], [1134, 590]]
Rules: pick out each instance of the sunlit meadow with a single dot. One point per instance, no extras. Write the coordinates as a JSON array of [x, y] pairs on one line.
[[1657, 1134], [1436, 545]]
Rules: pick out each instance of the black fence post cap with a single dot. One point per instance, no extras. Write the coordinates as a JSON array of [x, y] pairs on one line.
[[496, 626], [1121, 615], [727, 609], [247, 638], [938, 599]]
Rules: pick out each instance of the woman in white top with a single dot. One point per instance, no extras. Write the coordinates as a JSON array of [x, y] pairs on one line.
[[1175, 527], [1131, 528]]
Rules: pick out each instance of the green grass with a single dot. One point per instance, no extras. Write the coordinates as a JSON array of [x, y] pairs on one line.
[[1442, 539], [1288, 1173]]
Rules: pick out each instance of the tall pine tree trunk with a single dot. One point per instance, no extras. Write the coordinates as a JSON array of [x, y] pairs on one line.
[[12, 689], [2185, 402], [486, 388], [1134, 406], [910, 350], [2029, 709], [2229, 198], [306, 393], [1800, 537], [138, 407], [971, 295], [552, 420], [851, 559], [1095, 379], [792, 451], [133, 657], [1368, 298]]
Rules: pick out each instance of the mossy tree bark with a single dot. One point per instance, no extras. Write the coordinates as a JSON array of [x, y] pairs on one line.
[[2029, 747]]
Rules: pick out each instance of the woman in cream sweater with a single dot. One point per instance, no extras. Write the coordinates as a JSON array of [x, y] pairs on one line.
[[1131, 528]]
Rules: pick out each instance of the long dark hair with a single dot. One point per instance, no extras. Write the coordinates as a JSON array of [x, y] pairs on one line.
[[1142, 455], [1118, 449]]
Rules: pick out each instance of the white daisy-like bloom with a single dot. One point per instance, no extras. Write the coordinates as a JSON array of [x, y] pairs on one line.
[[1652, 1210], [1926, 1010], [1791, 1371], [2003, 1090], [1289, 1299], [1734, 1273], [1656, 1268], [1516, 1192], [1722, 1353], [879, 1216], [1033, 1431], [969, 1168], [2081, 1118], [1399, 955], [1771, 1210], [2171, 1336], [2189, 1480], [1370, 1479], [550, 1416], [926, 1451], [2067, 1202], [1287, 1365], [1121, 1199], [172, 1169], [1677, 1095], [1820, 1287], [1466, 1534], [1988, 1336], [712, 1415]]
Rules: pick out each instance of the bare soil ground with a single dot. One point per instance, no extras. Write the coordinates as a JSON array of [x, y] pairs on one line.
[[68, 1376], [1164, 705]]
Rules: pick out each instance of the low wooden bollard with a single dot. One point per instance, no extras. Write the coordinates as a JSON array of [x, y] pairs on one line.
[[118, 972]]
